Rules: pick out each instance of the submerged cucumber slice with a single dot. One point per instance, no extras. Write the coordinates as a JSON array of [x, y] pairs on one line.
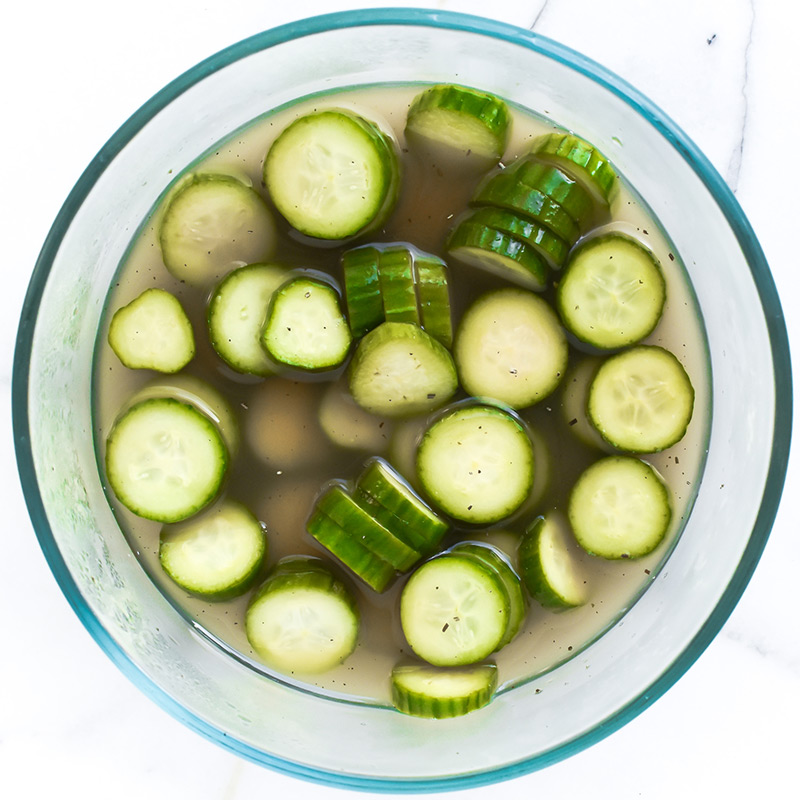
[[497, 252], [212, 224], [581, 160], [454, 610], [400, 370], [331, 174], [440, 693], [641, 400], [461, 119], [152, 332], [549, 570], [165, 460], [216, 555], [236, 314], [612, 293], [302, 619], [511, 347], [305, 326], [620, 508], [476, 464]]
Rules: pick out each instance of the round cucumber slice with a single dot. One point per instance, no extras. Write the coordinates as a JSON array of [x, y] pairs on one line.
[[620, 508], [216, 555], [641, 400], [612, 292], [476, 464], [454, 611], [511, 347], [302, 620], [439, 693]]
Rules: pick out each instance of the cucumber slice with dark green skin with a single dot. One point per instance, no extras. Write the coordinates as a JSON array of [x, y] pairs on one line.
[[302, 619], [152, 332], [620, 508], [236, 314], [383, 493], [362, 289], [548, 569], [503, 190], [339, 506], [398, 290], [497, 252], [212, 224], [476, 464], [216, 555], [612, 292], [462, 119], [558, 186], [305, 326], [581, 160], [374, 571], [454, 610], [332, 174], [510, 346], [400, 370], [433, 295], [641, 400], [499, 563], [442, 693], [165, 460], [553, 249]]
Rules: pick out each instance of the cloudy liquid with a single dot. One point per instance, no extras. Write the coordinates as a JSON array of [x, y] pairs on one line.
[[435, 191]]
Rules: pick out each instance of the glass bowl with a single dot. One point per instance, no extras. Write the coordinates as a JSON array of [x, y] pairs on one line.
[[333, 741]]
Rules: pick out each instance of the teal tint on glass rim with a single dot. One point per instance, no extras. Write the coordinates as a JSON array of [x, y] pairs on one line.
[[341, 743]]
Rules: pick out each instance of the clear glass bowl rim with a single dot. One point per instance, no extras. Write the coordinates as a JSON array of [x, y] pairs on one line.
[[724, 198]]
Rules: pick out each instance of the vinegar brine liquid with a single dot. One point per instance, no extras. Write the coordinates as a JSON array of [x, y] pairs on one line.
[[279, 415]]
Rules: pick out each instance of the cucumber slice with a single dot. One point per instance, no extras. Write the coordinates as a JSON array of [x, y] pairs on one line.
[[550, 572], [499, 563], [620, 508], [497, 252], [389, 499], [510, 346], [362, 289], [236, 314], [152, 332], [558, 186], [503, 190], [462, 119], [581, 160], [439, 693], [573, 403], [374, 571], [216, 555], [340, 507], [165, 460], [302, 619], [400, 370], [398, 290], [331, 174], [346, 424], [476, 464], [641, 400], [212, 224], [433, 295], [552, 248], [454, 610], [305, 326], [612, 293]]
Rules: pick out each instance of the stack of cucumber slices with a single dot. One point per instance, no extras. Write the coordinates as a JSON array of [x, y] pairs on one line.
[[380, 321]]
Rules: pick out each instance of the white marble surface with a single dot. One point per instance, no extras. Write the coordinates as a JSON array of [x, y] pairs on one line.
[[70, 723]]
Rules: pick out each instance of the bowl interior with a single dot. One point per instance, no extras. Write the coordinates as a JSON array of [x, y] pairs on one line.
[[341, 742]]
